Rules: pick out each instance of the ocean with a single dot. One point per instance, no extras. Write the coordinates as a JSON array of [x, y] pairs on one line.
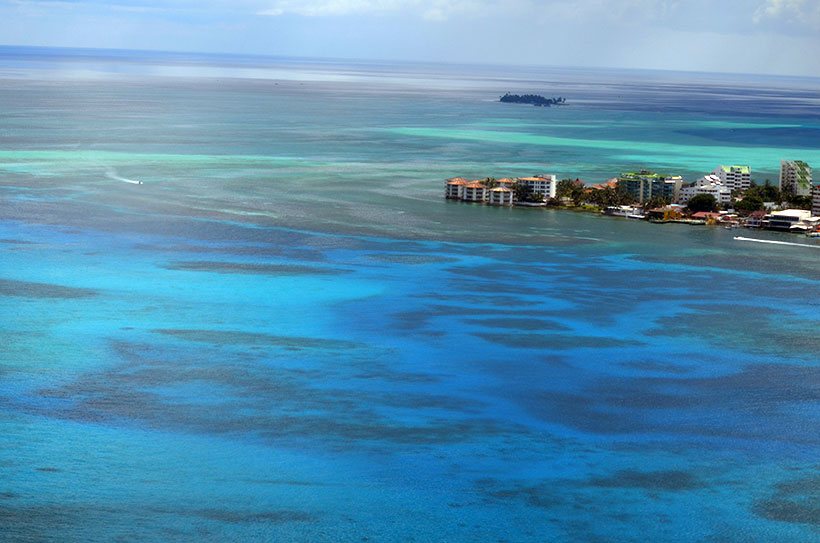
[[236, 307]]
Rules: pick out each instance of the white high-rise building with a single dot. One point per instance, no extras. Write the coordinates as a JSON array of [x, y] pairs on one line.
[[815, 201], [734, 177], [708, 184], [543, 185], [795, 177]]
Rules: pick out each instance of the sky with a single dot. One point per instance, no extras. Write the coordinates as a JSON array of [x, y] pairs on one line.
[[746, 36]]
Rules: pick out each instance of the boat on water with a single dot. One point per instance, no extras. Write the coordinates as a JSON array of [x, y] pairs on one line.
[[630, 212]]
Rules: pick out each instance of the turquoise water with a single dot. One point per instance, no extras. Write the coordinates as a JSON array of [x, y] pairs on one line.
[[286, 334]]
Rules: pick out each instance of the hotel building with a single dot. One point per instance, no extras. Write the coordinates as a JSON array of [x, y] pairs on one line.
[[501, 196], [645, 185], [795, 177], [708, 184], [734, 177], [544, 185]]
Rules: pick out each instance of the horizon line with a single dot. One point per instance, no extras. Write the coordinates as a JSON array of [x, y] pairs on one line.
[[272, 56]]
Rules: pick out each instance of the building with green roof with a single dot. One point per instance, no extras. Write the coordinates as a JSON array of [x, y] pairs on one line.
[[795, 178], [645, 185], [735, 177]]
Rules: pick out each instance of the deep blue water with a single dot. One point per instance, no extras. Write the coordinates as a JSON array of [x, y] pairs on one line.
[[286, 334]]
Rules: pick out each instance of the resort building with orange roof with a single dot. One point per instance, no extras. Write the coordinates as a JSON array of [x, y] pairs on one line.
[[543, 185], [475, 191], [501, 196], [454, 188]]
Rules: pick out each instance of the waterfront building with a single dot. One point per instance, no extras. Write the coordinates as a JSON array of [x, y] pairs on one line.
[[501, 196], [454, 188], [631, 212], [795, 177], [608, 184], [475, 191], [791, 219], [708, 184], [543, 185], [506, 182], [645, 185], [665, 214], [734, 177], [815, 201]]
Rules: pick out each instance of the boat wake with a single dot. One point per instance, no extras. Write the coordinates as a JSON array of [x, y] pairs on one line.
[[111, 174], [773, 242]]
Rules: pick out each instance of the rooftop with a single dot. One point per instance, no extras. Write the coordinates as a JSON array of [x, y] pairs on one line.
[[735, 168]]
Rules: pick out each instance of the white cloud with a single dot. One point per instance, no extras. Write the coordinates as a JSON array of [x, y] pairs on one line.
[[799, 12], [432, 9]]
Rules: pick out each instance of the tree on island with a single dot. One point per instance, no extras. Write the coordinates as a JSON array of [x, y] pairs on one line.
[[524, 193], [800, 202], [657, 201], [534, 99], [702, 202], [766, 192], [610, 196], [749, 204], [572, 189]]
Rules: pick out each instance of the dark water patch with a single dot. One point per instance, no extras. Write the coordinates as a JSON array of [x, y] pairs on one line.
[[413, 320], [252, 268], [411, 259], [775, 331], [543, 496], [657, 367], [728, 284], [16, 242], [796, 502], [289, 482], [656, 481], [228, 337], [26, 289], [494, 273], [482, 299], [240, 517], [493, 286], [9, 495], [519, 324], [163, 389], [755, 403], [555, 341], [798, 137], [396, 376], [49, 469], [293, 253], [581, 412]]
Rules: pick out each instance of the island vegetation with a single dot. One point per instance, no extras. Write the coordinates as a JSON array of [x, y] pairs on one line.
[[534, 99]]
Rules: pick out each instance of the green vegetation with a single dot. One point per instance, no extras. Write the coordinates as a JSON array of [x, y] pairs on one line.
[[749, 204], [524, 193], [573, 189], [657, 201], [702, 202], [766, 192], [800, 202], [610, 196], [534, 99]]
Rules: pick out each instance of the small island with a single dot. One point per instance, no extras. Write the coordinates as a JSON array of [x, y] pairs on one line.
[[534, 99]]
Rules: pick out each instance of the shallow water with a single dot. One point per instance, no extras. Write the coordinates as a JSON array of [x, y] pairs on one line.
[[285, 333]]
